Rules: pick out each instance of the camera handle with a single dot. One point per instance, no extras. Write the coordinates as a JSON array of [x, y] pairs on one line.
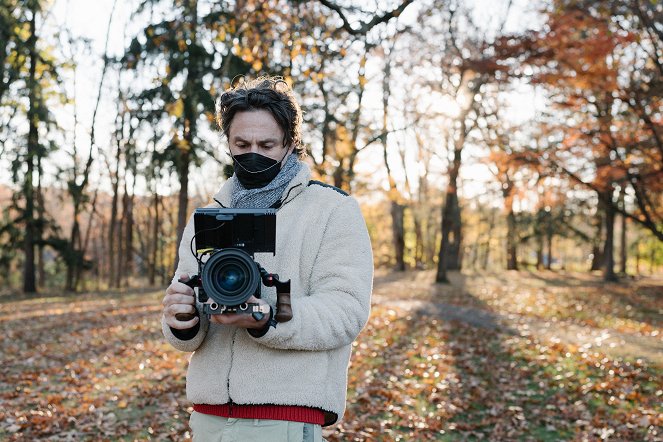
[[283, 307], [192, 282]]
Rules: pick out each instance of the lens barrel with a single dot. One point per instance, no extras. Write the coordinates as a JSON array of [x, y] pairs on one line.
[[230, 276]]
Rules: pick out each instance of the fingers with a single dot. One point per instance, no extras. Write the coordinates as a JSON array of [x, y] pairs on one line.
[[179, 287], [229, 319], [178, 299], [181, 325], [254, 300], [238, 319], [171, 310], [174, 309]]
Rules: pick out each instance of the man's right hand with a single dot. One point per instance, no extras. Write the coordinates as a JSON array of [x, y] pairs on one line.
[[179, 299]]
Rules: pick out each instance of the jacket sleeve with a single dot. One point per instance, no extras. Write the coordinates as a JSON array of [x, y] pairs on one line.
[[340, 293], [187, 265]]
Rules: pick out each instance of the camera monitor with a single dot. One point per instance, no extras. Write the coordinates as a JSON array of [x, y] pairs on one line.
[[252, 230]]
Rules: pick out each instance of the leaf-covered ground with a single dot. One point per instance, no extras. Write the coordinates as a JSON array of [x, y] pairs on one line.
[[518, 356]]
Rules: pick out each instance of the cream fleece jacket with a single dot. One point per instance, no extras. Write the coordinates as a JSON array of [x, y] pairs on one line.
[[323, 247]]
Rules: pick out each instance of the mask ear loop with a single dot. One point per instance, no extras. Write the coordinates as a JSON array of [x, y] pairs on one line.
[[259, 171]]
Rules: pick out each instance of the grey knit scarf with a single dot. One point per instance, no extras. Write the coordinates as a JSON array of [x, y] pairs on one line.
[[264, 197]]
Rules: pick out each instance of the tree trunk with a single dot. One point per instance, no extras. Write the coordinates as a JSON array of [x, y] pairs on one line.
[[41, 265], [539, 252], [154, 247], [183, 202], [450, 242], [119, 253], [161, 250], [127, 249], [398, 232], [189, 131], [102, 254], [441, 275], [486, 255], [608, 249], [29, 281], [511, 241], [597, 257], [128, 269], [39, 232], [86, 242], [491, 226], [511, 234], [549, 241], [456, 240], [450, 216], [419, 241], [72, 262], [431, 233], [397, 209], [623, 240], [115, 184], [474, 256]]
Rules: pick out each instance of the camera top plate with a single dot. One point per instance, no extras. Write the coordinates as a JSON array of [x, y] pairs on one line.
[[252, 230]]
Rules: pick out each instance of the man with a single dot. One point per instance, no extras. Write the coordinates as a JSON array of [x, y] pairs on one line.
[[261, 380]]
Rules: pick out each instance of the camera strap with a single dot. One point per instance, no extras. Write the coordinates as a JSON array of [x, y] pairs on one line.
[[279, 203]]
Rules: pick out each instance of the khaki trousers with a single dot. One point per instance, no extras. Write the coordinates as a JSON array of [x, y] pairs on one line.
[[208, 428]]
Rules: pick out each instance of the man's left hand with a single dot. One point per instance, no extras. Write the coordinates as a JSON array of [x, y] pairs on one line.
[[244, 320]]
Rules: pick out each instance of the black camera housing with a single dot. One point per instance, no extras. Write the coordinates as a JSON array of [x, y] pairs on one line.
[[230, 275], [230, 237]]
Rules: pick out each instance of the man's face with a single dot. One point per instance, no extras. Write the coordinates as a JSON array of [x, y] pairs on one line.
[[256, 131]]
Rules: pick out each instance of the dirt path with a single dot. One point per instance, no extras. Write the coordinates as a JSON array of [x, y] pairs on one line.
[[466, 302]]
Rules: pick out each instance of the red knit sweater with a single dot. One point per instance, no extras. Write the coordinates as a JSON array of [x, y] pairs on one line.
[[274, 412]]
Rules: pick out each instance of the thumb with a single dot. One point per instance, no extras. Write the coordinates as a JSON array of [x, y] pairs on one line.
[[183, 278]]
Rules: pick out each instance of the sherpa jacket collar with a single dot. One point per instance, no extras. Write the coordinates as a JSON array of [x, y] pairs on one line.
[[295, 187]]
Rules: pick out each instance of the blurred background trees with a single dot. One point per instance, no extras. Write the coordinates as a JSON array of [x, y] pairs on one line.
[[523, 136]]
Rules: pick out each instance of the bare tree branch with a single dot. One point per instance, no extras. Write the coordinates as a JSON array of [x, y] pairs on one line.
[[365, 26], [647, 222]]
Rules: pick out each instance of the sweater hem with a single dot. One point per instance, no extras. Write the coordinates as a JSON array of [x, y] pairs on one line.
[[291, 413]]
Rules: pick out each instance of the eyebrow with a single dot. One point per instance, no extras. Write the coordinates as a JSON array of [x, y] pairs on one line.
[[267, 140]]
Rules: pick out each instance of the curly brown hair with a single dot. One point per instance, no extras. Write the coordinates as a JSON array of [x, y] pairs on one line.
[[272, 94]]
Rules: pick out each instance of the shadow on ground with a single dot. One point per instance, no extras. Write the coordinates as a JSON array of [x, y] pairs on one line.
[[496, 375]]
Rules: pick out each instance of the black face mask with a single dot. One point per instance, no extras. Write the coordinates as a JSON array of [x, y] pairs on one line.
[[254, 170]]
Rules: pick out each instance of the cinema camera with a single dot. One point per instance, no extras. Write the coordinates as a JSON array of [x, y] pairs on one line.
[[226, 240]]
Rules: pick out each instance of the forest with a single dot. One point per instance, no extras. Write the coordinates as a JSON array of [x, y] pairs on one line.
[[507, 157]]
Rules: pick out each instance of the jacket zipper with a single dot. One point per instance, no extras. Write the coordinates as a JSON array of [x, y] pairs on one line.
[[232, 349]]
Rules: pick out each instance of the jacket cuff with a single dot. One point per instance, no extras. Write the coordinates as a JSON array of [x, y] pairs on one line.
[[188, 334], [260, 332], [193, 341]]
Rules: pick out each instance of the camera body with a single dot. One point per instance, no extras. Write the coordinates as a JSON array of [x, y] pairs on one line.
[[226, 241], [230, 237]]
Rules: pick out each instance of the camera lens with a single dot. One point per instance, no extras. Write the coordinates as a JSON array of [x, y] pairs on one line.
[[230, 276]]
